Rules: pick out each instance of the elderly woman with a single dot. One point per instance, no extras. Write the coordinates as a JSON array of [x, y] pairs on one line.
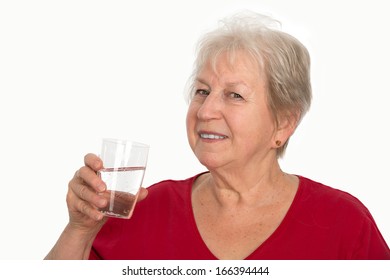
[[249, 91]]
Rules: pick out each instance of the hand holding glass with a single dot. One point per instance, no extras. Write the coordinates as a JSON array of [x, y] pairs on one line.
[[124, 164]]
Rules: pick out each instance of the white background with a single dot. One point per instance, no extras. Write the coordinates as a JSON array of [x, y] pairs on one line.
[[72, 72]]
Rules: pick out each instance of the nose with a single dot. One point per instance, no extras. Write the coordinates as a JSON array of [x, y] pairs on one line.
[[210, 108]]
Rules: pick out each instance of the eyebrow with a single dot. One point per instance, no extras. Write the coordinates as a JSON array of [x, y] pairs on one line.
[[238, 83], [200, 80], [235, 83]]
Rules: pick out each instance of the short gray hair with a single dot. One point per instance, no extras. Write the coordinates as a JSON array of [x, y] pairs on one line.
[[284, 61]]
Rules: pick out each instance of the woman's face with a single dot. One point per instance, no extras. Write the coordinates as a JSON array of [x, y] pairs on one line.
[[228, 120]]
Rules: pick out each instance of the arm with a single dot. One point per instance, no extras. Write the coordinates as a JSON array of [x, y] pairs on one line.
[[73, 244], [85, 220]]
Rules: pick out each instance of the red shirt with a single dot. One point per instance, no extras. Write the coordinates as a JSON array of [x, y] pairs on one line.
[[322, 223]]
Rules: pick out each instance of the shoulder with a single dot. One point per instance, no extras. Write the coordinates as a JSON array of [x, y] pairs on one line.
[[329, 206], [326, 196], [171, 189], [343, 218], [171, 185]]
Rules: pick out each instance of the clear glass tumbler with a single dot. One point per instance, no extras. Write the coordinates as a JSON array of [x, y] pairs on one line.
[[124, 164]]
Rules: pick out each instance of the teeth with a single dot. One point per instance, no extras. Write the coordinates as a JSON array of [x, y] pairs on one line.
[[211, 136]]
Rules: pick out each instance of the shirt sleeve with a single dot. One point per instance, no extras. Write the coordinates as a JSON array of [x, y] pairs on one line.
[[370, 244]]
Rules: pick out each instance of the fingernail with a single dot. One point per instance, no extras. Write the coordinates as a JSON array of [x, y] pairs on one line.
[[102, 187], [98, 165], [102, 202]]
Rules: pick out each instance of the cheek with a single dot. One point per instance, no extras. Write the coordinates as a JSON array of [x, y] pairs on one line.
[[190, 118], [253, 126], [190, 124]]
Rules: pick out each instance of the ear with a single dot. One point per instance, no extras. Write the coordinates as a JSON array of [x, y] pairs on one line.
[[285, 127]]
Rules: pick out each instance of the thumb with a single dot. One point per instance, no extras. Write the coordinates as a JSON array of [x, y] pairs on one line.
[[143, 193]]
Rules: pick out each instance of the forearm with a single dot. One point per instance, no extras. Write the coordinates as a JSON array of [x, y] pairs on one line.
[[73, 244]]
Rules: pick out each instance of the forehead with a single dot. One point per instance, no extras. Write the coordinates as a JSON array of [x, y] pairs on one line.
[[232, 66]]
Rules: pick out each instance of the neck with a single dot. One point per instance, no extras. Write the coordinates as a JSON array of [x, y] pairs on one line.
[[246, 185]]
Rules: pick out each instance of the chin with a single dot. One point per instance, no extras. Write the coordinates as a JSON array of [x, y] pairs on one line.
[[210, 162]]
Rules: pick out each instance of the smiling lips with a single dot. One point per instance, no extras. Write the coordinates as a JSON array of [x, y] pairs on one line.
[[212, 136]]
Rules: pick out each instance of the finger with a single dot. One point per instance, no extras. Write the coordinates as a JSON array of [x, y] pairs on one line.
[[87, 194], [90, 178], [93, 161], [78, 206], [142, 194], [86, 209]]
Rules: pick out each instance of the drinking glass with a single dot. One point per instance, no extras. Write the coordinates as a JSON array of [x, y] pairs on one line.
[[124, 164]]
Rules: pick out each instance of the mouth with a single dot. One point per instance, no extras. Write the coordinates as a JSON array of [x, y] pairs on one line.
[[212, 136]]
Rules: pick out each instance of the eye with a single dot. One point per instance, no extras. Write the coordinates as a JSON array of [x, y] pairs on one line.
[[202, 92], [235, 95]]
